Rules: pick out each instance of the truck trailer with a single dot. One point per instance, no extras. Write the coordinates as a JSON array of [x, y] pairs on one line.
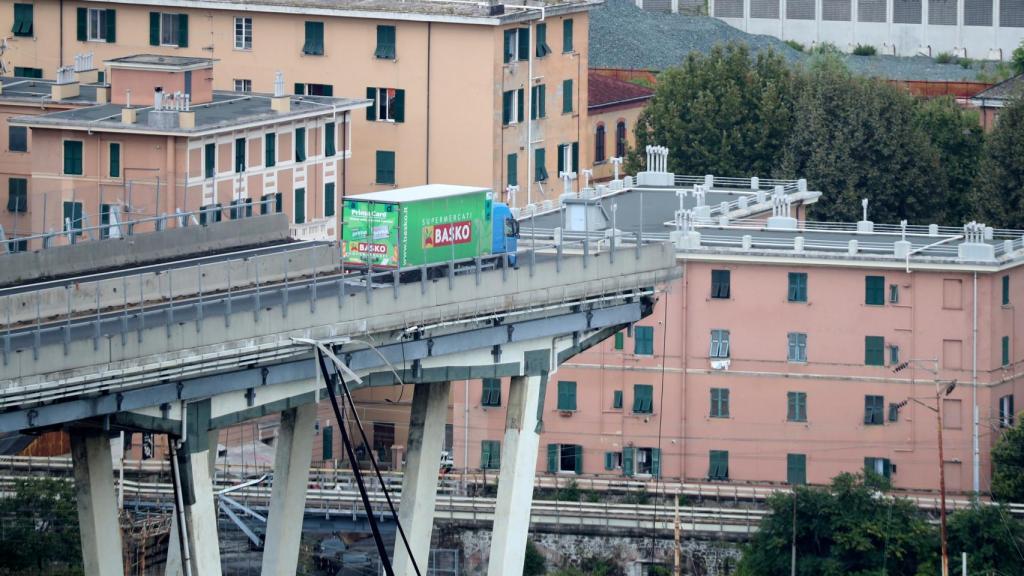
[[422, 225]]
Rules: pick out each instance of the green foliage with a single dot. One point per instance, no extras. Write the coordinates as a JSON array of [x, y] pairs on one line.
[[570, 492], [535, 564], [641, 496], [944, 58], [592, 566], [1018, 58], [39, 529], [720, 113], [965, 63], [994, 73], [957, 137], [992, 538], [795, 45], [846, 529], [825, 48], [591, 496], [1008, 453], [864, 50], [643, 82]]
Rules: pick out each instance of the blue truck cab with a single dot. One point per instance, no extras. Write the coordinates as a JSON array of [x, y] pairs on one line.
[[505, 233]]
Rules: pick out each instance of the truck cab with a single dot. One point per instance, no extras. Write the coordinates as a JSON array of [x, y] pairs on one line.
[[505, 232]]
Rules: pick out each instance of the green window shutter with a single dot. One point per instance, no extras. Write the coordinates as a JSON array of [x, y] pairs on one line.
[[552, 458], [278, 202], [542, 40], [104, 220], [82, 15], [524, 43], [385, 167], [115, 159], [542, 100], [643, 398], [491, 392], [576, 157], [617, 400], [620, 340], [485, 454], [239, 155], [609, 460], [385, 42], [797, 287], [567, 35], [874, 290], [506, 107], [566, 395], [720, 283], [512, 171], [111, 17], [398, 106], [24, 20], [328, 445], [874, 351], [73, 157], [300, 206], [578, 465], [873, 406], [796, 469], [17, 199], [567, 96], [627, 460], [540, 171], [265, 202], [1006, 351], [329, 140], [643, 340], [1006, 290], [299, 89], [561, 159], [300, 144], [507, 48], [371, 112], [154, 28], [270, 150], [520, 104], [656, 462], [329, 199], [314, 44], [210, 160], [533, 103], [182, 30], [894, 412], [328, 90]]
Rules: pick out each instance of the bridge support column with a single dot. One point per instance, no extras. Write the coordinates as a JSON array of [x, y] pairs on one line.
[[97, 503], [173, 566], [288, 496], [515, 480], [419, 486]]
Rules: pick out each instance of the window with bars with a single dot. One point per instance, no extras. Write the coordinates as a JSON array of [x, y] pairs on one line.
[[491, 396], [874, 410], [719, 402], [720, 284], [719, 344], [243, 33], [796, 406], [567, 395], [797, 347], [643, 399]]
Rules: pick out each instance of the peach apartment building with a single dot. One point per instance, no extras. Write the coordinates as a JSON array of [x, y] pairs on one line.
[[452, 97]]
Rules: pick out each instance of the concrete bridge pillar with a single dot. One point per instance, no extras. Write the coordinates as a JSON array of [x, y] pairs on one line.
[[173, 566], [419, 486], [97, 503], [288, 496], [515, 480]]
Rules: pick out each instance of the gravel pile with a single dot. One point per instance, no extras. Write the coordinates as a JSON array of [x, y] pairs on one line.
[[624, 36]]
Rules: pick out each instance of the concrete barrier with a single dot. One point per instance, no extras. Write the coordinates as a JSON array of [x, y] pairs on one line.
[[96, 255]]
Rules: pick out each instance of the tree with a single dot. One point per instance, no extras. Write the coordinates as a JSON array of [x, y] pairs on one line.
[[1008, 465], [723, 113], [999, 191], [39, 529], [1018, 58], [992, 538], [846, 529], [959, 140], [857, 138], [535, 564]]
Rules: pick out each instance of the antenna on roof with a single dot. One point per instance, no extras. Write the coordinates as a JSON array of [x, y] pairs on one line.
[[903, 229], [864, 205]]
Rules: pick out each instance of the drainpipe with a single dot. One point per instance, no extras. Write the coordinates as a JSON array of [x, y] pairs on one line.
[[465, 421], [975, 450]]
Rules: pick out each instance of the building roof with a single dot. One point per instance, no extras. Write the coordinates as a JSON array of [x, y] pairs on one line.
[[159, 62], [425, 192], [456, 11], [227, 111], [604, 92], [1000, 93], [38, 91]]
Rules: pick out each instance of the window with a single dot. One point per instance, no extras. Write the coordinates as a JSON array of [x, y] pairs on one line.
[[797, 287], [1006, 290], [894, 354], [567, 35], [643, 399], [270, 149], [542, 40], [22, 72], [796, 469], [797, 347], [104, 221], [538, 102], [620, 341], [210, 160], [874, 290], [73, 157], [490, 455], [599, 138], [952, 294], [879, 466], [314, 44], [517, 45], [1006, 351], [491, 392], [17, 194], [243, 33], [243, 85], [540, 169], [300, 206], [17, 139], [311, 89], [874, 351], [327, 445], [894, 412], [23, 20], [565, 458], [719, 402], [385, 167], [329, 202], [386, 105], [894, 293], [573, 151], [617, 400], [648, 461], [512, 106], [241, 208], [643, 340], [612, 460], [567, 96], [300, 144], [719, 344], [114, 155], [1006, 412], [168, 29], [210, 213], [73, 217], [239, 155], [385, 43], [720, 284], [718, 468], [330, 140], [512, 172], [272, 203], [566, 395], [796, 406], [620, 139], [96, 25], [874, 410]]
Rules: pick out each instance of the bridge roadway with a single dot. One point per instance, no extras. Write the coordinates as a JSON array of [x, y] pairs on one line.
[[212, 353]]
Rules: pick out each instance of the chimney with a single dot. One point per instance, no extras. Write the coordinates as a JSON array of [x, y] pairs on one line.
[[66, 85], [128, 114], [281, 102], [85, 70], [186, 116], [102, 94]]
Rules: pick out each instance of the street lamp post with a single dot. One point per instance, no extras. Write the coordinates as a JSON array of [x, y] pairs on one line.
[[940, 393]]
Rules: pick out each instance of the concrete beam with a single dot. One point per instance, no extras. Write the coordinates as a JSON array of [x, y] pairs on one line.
[[97, 503], [515, 480], [419, 485], [288, 496]]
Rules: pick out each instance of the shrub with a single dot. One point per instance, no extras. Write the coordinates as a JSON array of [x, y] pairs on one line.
[[535, 564], [864, 50], [641, 496], [944, 58], [795, 45], [825, 48]]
